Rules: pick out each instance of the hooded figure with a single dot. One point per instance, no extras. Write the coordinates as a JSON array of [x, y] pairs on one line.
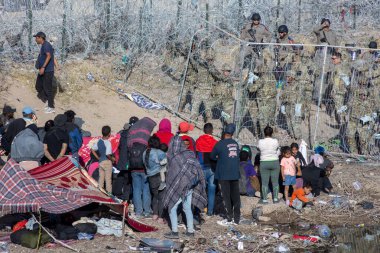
[[185, 176], [164, 132]]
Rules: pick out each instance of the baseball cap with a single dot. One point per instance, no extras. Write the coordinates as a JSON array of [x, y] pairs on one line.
[[8, 109], [27, 110], [230, 128], [40, 34], [185, 127]]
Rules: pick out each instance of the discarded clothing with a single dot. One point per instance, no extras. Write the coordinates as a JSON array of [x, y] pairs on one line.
[[110, 227], [146, 103]]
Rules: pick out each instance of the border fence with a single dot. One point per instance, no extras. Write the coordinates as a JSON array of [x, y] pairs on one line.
[[192, 50]]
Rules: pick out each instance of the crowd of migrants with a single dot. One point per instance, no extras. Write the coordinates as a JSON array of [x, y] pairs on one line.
[[282, 82], [159, 172]]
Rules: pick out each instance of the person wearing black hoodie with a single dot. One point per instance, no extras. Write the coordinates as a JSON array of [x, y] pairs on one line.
[[122, 182], [56, 141]]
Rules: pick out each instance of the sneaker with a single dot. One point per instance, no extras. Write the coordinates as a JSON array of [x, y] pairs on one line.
[[46, 106], [275, 201], [224, 223], [287, 202], [49, 110], [263, 201], [172, 235], [147, 215], [188, 234], [162, 186]]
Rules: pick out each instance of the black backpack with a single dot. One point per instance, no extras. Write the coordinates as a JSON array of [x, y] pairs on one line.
[[135, 156]]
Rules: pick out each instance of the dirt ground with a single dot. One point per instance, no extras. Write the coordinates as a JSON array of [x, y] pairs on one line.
[[96, 104]]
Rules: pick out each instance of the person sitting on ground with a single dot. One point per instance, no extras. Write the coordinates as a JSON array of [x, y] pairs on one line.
[[102, 150], [226, 153], [302, 197], [249, 183], [164, 132], [289, 168], [6, 117], [28, 120], [204, 145], [152, 157], [185, 184], [75, 134], [184, 129], [56, 139], [163, 163], [42, 133], [326, 169], [301, 160]]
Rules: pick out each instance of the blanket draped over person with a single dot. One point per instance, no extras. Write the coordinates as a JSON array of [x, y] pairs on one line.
[[183, 170], [140, 131]]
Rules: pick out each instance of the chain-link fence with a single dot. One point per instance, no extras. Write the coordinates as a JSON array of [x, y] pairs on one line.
[[187, 55]]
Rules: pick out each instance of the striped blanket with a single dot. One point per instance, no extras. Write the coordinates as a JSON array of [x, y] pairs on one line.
[[63, 173], [88, 143], [21, 193]]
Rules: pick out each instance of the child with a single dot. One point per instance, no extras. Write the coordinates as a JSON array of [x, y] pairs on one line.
[[248, 176], [163, 164], [301, 161], [288, 171], [302, 196], [102, 151]]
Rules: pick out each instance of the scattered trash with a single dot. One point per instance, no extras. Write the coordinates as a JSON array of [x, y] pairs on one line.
[[90, 77], [324, 231], [360, 225], [340, 202], [322, 202], [4, 247], [110, 227], [161, 245], [357, 185], [240, 246], [247, 222], [201, 241], [212, 251], [85, 236], [310, 238], [303, 225], [257, 212], [345, 246], [264, 218], [369, 237], [282, 247], [366, 205]]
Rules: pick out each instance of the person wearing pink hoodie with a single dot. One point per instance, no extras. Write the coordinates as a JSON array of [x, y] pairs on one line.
[[164, 132]]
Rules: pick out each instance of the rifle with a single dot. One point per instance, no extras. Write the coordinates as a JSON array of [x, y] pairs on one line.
[[256, 48]]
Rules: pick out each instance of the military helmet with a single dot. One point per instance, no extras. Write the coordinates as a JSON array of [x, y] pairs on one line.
[[255, 17], [283, 29]]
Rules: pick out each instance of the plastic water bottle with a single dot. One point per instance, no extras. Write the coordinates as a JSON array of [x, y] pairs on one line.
[[324, 231], [357, 185]]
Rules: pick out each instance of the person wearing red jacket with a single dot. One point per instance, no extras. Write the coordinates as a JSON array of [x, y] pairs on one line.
[[204, 145], [164, 132]]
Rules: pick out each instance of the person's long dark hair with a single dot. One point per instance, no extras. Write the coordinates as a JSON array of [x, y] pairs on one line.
[[153, 142]]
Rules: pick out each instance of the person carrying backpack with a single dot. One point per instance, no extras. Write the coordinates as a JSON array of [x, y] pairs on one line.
[[75, 135], [137, 142], [121, 186]]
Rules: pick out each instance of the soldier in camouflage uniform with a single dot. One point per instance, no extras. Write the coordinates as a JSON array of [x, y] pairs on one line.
[[340, 82], [252, 54], [296, 97], [221, 97]]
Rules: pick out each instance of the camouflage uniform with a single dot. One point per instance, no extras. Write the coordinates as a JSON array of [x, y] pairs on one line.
[[222, 99], [252, 33], [297, 96]]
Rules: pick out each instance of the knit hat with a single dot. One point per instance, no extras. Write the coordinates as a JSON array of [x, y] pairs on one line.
[[185, 127]]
